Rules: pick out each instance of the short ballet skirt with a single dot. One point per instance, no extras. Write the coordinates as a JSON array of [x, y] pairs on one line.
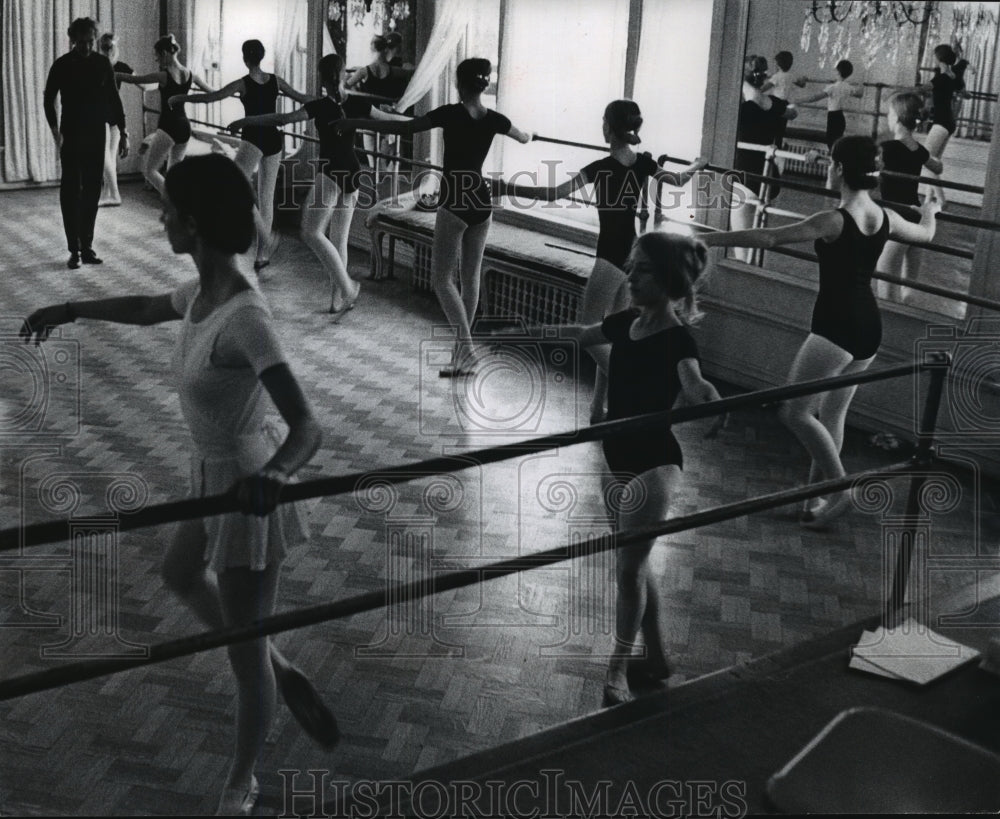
[[234, 539]]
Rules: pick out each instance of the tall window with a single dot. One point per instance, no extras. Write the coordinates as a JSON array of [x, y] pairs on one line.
[[562, 62]]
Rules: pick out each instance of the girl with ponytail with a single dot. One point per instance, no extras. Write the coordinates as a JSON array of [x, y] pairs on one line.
[[619, 180], [463, 219], [653, 360], [846, 326], [173, 129]]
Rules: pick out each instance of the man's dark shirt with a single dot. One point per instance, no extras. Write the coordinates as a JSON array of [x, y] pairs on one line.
[[86, 88]]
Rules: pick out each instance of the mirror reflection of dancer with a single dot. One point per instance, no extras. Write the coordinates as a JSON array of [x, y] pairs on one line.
[[261, 146], [619, 181], [173, 129], [943, 87], [383, 77], [88, 97], [110, 196], [335, 186], [654, 360], [761, 122], [903, 154], [463, 219], [846, 324], [226, 567]]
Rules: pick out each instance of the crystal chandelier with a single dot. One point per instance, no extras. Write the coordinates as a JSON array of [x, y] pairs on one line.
[[879, 28], [385, 12]]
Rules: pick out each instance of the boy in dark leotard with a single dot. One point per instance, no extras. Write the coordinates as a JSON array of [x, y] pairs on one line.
[[620, 181], [173, 130], [463, 219], [261, 146], [654, 359], [903, 154], [846, 326]]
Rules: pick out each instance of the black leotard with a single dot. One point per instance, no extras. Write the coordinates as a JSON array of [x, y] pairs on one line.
[[336, 149], [643, 378], [259, 99], [464, 192], [944, 88], [901, 194], [845, 311], [173, 121], [762, 128], [617, 191]]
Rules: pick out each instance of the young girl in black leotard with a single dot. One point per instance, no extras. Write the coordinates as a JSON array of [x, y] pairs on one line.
[[261, 147], [902, 154], [466, 210], [943, 87], [846, 325], [654, 359], [335, 187], [173, 130], [619, 181]]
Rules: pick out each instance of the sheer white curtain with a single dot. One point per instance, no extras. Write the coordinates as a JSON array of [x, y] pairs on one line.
[[451, 18], [562, 64]]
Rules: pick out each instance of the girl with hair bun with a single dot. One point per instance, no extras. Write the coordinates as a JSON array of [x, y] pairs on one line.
[[903, 154], [260, 147], [653, 360], [173, 129], [761, 122], [619, 180], [846, 325], [466, 209]]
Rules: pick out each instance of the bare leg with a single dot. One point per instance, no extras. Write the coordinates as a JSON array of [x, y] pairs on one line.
[[892, 261], [109, 190], [267, 179], [817, 358], [606, 292], [936, 142], [315, 216], [639, 603], [246, 596], [449, 232], [160, 147], [743, 212], [470, 266]]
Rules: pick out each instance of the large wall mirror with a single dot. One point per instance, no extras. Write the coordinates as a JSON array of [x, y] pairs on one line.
[[902, 59]]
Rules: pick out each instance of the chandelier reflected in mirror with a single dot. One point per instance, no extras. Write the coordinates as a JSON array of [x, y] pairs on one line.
[[880, 28], [384, 13]]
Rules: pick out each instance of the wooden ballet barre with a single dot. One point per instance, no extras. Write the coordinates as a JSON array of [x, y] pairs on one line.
[[191, 508]]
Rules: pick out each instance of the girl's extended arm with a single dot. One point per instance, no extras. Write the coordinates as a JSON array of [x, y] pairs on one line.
[[934, 165], [824, 225], [819, 95], [213, 96], [899, 228], [201, 84], [680, 178], [141, 79], [697, 390], [288, 91], [269, 119], [524, 137], [142, 310]]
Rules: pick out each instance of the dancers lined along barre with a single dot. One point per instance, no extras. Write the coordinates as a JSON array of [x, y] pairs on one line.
[[466, 209], [846, 323], [173, 129], [619, 181], [336, 187], [261, 146], [226, 568]]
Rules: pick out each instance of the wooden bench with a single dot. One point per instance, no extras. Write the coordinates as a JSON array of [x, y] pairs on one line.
[[525, 274]]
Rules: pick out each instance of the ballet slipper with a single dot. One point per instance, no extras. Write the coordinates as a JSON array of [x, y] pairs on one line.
[[348, 304], [616, 695], [829, 513], [239, 801], [308, 708]]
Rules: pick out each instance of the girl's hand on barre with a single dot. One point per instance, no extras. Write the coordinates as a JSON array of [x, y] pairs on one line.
[[42, 322], [932, 205], [801, 81], [236, 125], [699, 164], [177, 99]]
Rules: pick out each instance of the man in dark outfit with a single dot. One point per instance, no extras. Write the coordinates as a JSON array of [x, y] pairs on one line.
[[85, 83]]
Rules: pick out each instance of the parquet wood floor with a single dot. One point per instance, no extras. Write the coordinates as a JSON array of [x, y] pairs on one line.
[[426, 681]]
